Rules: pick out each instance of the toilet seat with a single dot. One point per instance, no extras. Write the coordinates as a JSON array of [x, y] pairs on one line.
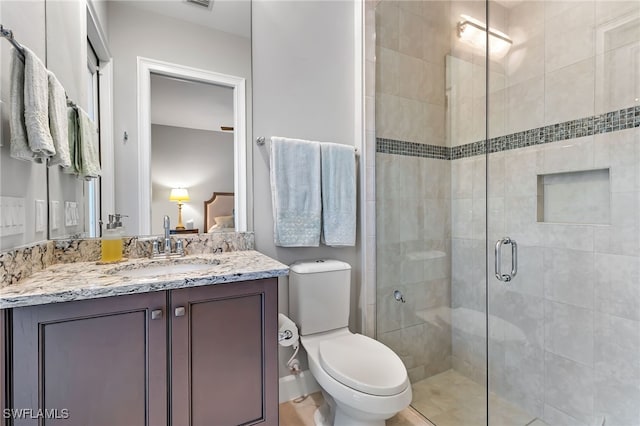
[[363, 364]]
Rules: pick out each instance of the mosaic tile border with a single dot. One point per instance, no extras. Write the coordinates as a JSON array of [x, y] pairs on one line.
[[614, 121]]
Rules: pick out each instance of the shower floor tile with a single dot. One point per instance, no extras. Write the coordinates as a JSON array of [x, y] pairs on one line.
[[451, 399]]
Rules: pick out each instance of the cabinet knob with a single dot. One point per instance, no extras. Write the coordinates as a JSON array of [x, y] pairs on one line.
[[180, 311], [156, 314]]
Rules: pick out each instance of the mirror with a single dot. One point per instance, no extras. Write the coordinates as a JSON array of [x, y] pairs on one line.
[[165, 38]]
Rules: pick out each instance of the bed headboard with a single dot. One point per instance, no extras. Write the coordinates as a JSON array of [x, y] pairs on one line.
[[220, 204]]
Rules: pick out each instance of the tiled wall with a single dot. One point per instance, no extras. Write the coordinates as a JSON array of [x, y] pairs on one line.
[[413, 256], [565, 333], [412, 196]]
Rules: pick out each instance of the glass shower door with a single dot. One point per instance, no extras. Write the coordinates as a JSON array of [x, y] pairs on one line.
[[563, 186]]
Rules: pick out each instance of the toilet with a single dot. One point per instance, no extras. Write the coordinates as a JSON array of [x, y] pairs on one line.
[[363, 381]]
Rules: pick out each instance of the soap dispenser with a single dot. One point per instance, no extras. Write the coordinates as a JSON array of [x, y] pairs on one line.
[[111, 243]]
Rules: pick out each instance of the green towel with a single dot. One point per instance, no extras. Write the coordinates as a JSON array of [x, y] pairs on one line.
[[83, 145]]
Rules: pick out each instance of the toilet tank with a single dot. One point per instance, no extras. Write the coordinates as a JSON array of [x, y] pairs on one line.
[[319, 295]]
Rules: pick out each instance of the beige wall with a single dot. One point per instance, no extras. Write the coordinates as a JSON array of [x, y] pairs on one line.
[[303, 88]]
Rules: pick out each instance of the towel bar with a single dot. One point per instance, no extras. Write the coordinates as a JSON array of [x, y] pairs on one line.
[[261, 140]]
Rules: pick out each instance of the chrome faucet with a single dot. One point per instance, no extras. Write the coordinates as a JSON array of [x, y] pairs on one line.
[[167, 234], [166, 243]]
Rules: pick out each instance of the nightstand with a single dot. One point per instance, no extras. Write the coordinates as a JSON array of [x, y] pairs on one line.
[[184, 231]]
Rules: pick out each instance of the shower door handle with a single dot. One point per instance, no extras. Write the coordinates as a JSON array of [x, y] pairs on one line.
[[514, 259]]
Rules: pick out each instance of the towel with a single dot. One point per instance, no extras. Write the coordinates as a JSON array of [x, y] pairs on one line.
[[58, 122], [295, 192], [338, 194], [19, 143], [83, 145], [36, 106], [87, 147], [73, 132]]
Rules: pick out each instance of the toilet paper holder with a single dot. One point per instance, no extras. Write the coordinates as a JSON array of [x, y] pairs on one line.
[[284, 335]]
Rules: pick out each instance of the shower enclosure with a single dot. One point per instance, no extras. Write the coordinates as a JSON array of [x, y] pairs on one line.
[[508, 208]]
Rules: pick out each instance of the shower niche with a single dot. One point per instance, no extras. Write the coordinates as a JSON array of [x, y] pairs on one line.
[[580, 197]]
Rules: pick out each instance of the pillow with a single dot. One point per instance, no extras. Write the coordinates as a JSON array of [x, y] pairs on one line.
[[224, 221]]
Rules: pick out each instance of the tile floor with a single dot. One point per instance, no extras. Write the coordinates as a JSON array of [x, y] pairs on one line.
[[446, 399], [301, 414], [451, 399]]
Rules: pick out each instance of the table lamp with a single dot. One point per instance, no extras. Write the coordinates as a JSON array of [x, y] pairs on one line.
[[179, 195]]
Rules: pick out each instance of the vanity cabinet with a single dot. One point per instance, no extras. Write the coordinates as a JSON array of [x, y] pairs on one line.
[[224, 354], [196, 356]]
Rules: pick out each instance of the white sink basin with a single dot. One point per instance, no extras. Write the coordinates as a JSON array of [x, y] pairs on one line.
[[163, 267]]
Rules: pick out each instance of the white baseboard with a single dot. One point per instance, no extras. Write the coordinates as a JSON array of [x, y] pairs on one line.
[[292, 386]]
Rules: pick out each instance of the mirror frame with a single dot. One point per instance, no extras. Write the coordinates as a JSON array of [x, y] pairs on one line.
[[146, 67]]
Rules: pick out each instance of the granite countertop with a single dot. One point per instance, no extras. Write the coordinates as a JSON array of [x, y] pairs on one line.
[[88, 280]]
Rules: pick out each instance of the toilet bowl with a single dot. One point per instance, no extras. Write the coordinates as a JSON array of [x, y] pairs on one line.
[[363, 381]]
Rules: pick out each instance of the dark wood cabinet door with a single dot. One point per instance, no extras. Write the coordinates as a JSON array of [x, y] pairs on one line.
[[224, 354], [100, 362]]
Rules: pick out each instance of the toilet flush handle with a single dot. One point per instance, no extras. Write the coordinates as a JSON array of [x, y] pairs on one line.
[[397, 294]]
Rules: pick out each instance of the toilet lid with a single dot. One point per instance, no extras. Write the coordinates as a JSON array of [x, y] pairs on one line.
[[363, 364]]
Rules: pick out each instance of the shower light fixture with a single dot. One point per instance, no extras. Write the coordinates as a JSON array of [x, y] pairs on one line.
[[474, 32]]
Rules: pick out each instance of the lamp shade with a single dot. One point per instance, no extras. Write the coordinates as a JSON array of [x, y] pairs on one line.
[[179, 194]]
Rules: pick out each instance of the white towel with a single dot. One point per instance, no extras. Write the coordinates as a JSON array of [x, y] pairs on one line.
[[36, 106], [338, 194], [19, 143], [87, 147], [58, 122], [295, 191]]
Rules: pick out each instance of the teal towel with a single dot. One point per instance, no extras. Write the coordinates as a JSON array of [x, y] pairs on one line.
[[338, 194], [295, 192]]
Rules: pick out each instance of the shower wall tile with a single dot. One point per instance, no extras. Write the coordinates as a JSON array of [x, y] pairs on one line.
[[521, 222], [462, 218], [496, 228], [568, 236], [620, 153], [617, 344], [567, 156], [519, 318], [616, 401], [462, 178], [495, 180], [607, 11], [569, 388], [616, 288], [530, 277], [468, 351], [569, 332], [553, 416], [525, 104], [410, 33], [387, 24], [387, 72], [526, 57], [569, 277], [411, 76], [623, 235], [569, 36], [569, 92], [523, 372], [616, 77], [521, 167]]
